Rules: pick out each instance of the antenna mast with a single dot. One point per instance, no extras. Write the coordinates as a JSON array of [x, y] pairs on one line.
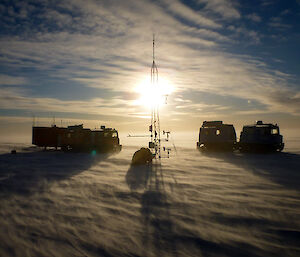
[[154, 128]]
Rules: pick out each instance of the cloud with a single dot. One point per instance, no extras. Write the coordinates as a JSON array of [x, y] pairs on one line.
[[6, 80], [276, 22], [14, 99], [225, 8], [285, 12], [250, 36], [243, 77], [183, 11], [108, 45], [267, 2], [253, 17], [206, 33]]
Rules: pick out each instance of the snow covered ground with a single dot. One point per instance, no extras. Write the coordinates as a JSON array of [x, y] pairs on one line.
[[192, 204]]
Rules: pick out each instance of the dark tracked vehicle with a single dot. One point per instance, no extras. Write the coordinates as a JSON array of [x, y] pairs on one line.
[[216, 136], [261, 137], [76, 138]]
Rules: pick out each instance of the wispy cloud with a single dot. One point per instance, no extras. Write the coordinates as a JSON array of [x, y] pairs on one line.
[[253, 17], [14, 99], [277, 22], [6, 80], [178, 8], [225, 8], [267, 2], [251, 36]]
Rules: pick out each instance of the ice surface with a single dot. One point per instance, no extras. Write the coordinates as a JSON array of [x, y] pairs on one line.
[[192, 204]]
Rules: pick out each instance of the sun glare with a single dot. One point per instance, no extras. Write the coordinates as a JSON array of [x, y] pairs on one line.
[[153, 95]]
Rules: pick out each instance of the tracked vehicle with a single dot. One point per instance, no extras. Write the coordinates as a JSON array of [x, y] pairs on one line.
[[261, 137], [216, 136], [76, 138]]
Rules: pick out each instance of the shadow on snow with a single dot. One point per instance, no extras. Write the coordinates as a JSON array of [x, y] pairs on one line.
[[162, 234], [281, 167], [155, 208], [31, 172]]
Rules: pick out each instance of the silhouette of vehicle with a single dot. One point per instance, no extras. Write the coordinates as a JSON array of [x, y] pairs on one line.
[[76, 138], [214, 135], [261, 137]]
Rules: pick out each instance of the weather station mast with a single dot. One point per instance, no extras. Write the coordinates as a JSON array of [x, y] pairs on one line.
[[154, 150], [154, 128]]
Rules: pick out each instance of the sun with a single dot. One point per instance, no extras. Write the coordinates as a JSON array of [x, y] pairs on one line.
[[153, 95]]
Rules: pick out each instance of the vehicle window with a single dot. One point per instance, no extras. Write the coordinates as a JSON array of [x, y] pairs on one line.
[[263, 132], [114, 134], [274, 131]]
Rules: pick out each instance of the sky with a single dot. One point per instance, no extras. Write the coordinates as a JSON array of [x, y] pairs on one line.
[[84, 61]]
